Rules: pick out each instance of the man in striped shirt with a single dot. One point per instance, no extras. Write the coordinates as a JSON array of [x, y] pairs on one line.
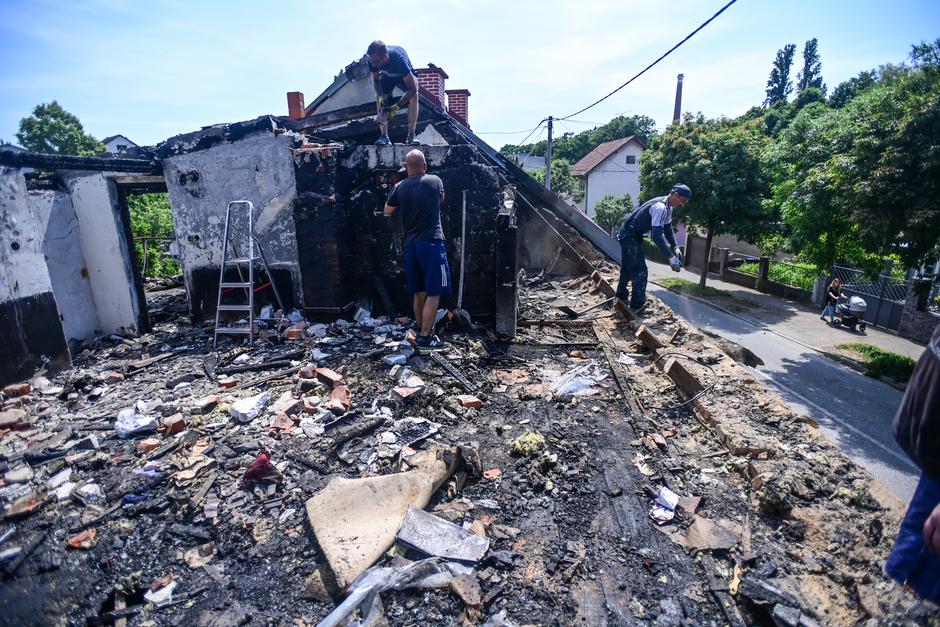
[[654, 217]]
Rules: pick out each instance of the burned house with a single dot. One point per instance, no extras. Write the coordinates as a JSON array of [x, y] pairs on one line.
[[317, 183], [543, 470]]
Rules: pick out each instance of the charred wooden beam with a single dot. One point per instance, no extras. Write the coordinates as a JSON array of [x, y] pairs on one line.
[[17, 159]]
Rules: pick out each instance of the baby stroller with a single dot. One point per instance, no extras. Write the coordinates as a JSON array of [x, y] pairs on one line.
[[849, 314]]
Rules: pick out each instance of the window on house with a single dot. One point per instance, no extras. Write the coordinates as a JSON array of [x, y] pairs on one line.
[[121, 147], [631, 159]]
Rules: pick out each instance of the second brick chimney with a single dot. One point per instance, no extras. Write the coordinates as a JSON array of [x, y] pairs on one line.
[[458, 102], [431, 78]]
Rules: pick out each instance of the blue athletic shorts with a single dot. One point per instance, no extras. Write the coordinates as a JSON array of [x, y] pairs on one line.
[[426, 268], [911, 562]]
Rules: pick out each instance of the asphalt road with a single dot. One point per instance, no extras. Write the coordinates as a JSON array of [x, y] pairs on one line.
[[853, 411]]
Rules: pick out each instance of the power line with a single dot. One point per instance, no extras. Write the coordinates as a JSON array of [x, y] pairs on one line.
[[643, 71], [525, 130]]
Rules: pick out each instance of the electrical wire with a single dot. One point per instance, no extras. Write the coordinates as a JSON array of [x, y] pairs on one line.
[[695, 397], [644, 70], [525, 130]]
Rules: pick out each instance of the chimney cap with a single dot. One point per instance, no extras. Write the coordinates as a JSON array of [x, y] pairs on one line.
[[457, 91], [432, 69]]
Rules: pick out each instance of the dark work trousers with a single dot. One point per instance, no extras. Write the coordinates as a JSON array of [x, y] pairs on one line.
[[632, 269], [911, 563]]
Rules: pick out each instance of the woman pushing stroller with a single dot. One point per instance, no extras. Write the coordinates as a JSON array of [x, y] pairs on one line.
[[833, 297]]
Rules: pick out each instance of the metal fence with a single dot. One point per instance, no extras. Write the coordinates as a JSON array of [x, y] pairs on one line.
[[885, 295]]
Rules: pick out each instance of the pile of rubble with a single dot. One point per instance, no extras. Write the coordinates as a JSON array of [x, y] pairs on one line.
[[594, 470]]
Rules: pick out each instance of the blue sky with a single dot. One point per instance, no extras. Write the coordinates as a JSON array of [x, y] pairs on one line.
[[150, 70]]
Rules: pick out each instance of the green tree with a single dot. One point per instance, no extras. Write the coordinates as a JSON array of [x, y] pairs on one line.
[[53, 130], [859, 182], [779, 84], [846, 90], [721, 161], [811, 75], [151, 217], [611, 210], [564, 183]]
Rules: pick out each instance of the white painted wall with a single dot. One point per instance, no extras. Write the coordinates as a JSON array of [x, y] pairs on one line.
[[351, 94], [22, 267], [62, 248], [258, 168], [94, 199], [614, 176]]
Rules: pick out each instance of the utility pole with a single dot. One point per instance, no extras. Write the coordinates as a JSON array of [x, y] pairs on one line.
[[548, 157]]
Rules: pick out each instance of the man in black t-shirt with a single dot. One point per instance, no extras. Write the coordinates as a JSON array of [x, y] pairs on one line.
[[391, 68], [419, 197]]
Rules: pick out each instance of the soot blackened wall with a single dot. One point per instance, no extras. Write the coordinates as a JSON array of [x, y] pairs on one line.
[[350, 252], [30, 328]]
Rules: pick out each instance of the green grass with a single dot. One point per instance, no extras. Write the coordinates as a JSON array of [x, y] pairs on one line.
[[881, 362], [801, 275], [684, 286]]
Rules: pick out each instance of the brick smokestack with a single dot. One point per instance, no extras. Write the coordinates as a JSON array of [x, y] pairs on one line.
[[295, 105], [677, 111], [431, 79], [458, 102]]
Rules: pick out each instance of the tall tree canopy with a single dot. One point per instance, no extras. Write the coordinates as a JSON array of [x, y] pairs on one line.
[[779, 84], [860, 182], [53, 130], [720, 161], [811, 74]]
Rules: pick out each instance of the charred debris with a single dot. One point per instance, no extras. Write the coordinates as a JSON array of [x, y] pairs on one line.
[[542, 470]]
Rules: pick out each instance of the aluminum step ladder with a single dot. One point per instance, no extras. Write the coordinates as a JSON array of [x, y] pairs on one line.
[[253, 253]]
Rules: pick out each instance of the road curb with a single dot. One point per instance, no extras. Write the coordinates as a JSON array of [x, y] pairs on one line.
[[842, 359]]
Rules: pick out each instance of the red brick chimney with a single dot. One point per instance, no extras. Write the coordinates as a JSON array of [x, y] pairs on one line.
[[458, 105], [431, 79], [295, 105]]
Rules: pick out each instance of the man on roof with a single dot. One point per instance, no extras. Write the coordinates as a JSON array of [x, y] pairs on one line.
[[654, 217], [391, 68]]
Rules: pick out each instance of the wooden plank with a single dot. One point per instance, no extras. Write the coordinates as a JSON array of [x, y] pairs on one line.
[[636, 408]]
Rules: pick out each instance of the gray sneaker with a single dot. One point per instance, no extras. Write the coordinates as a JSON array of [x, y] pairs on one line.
[[383, 141], [411, 141]]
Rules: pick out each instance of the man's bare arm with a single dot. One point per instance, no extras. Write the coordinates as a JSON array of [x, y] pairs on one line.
[[389, 210]]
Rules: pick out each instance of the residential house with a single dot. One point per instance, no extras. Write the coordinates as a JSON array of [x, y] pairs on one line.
[[118, 144], [611, 168]]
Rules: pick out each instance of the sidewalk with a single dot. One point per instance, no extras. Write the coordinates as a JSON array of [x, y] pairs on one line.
[[793, 320]]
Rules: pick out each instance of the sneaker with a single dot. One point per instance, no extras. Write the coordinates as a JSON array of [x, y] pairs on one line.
[[430, 343], [822, 317], [411, 141], [383, 141]]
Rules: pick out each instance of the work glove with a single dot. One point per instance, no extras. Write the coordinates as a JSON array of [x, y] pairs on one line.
[[678, 253], [675, 264], [393, 111]]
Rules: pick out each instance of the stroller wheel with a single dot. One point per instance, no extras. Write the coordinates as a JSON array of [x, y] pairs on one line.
[[861, 327]]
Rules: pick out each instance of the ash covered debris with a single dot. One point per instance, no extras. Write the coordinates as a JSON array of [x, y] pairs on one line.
[[202, 516], [597, 470]]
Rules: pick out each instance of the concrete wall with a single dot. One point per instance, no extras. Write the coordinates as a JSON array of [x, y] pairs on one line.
[[65, 260], [30, 330], [917, 321], [351, 94], [106, 251], [614, 176], [258, 167]]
